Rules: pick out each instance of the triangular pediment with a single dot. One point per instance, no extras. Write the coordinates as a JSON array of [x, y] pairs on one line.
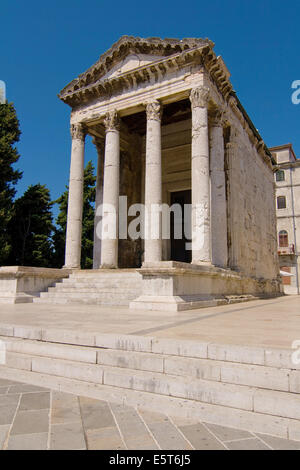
[[131, 62], [128, 54]]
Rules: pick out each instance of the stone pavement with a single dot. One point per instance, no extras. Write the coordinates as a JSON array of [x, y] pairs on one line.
[[264, 323], [35, 418]]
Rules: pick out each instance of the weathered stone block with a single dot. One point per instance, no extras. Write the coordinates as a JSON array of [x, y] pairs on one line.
[[277, 403], [124, 342], [180, 348], [233, 353]]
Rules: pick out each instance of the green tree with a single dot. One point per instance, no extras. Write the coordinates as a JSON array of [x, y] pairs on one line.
[[9, 135], [59, 236], [31, 228]]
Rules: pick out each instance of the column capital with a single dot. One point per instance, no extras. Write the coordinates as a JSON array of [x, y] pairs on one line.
[[77, 131], [199, 96], [154, 110], [112, 121], [217, 119]]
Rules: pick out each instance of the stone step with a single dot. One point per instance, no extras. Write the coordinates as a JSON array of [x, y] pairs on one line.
[[214, 393], [234, 299], [256, 421], [102, 274], [102, 280], [84, 299], [95, 289], [90, 295], [220, 371], [234, 353], [104, 287]]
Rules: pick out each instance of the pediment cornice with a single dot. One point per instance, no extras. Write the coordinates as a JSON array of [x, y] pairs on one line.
[[171, 53], [127, 45]]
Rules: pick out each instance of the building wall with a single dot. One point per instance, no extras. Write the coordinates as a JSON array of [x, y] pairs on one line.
[[288, 219], [252, 211]]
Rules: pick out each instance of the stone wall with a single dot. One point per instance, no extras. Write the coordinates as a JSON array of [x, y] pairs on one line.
[[252, 215]]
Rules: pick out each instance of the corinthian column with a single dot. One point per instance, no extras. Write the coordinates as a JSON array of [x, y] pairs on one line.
[[153, 184], [109, 244], [218, 193], [201, 243], [75, 201], [98, 203], [233, 181]]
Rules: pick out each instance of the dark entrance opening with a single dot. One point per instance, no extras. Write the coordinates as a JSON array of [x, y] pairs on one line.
[[178, 246]]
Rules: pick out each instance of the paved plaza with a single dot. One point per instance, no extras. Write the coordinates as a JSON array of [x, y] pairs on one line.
[[35, 418], [32, 417], [264, 323]]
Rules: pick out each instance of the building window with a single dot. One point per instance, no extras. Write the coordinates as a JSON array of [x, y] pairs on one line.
[[283, 238], [280, 176], [281, 202]]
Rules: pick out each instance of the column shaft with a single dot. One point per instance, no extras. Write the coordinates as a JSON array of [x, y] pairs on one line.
[[98, 204], [233, 203], [201, 240], [75, 201], [218, 196], [109, 244], [153, 184]]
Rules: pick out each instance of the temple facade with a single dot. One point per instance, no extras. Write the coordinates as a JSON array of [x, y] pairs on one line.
[[171, 132]]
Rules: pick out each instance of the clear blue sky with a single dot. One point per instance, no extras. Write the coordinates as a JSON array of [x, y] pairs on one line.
[[44, 45]]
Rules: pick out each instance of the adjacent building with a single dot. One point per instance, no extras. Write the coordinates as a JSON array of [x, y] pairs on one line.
[[287, 182]]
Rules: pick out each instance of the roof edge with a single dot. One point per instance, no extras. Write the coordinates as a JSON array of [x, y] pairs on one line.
[[284, 147]]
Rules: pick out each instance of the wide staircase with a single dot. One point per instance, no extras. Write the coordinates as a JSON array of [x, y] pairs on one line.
[[254, 389], [102, 287]]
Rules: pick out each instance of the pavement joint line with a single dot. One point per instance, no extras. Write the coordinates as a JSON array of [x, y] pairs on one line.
[[147, 427], [240, 439], [180, 432], [82, 423], [216, 437], [30, 411], [199, 318], [4, 447], [265, 443], [117, 425]]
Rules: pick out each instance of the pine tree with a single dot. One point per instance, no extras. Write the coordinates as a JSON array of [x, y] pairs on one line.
[[31, 228], [59, 236], [9, 135]]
